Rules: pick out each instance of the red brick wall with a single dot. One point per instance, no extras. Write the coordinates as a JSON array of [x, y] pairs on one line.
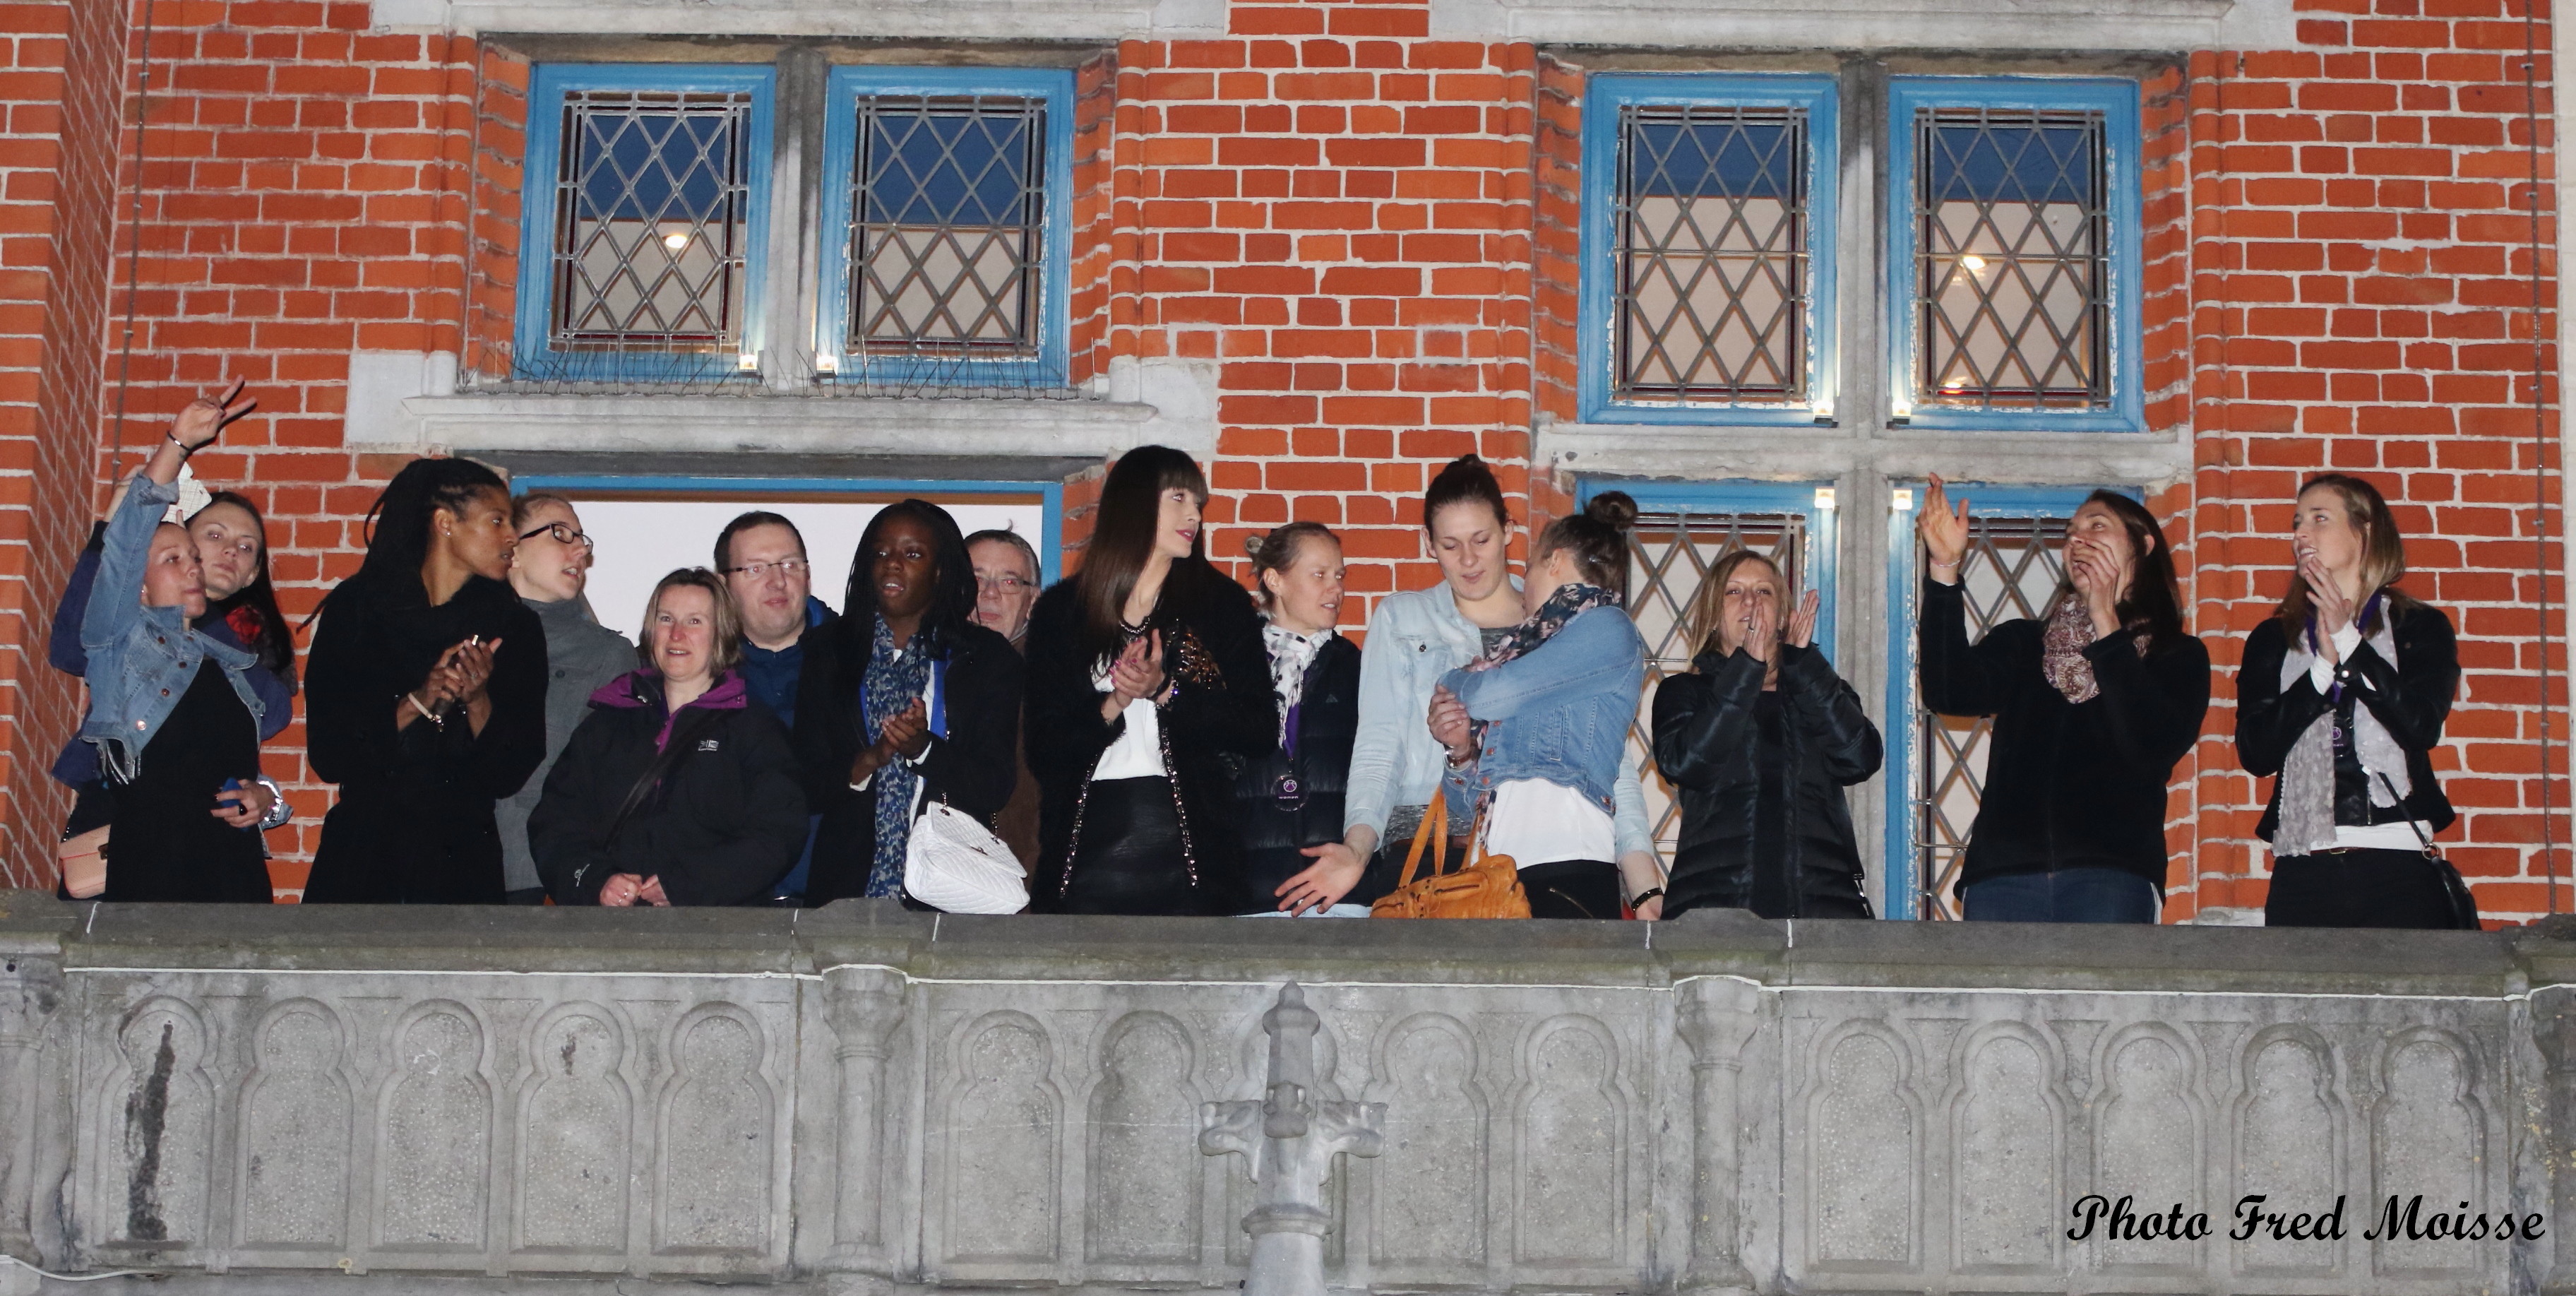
[[58, 152], [1369, 235]]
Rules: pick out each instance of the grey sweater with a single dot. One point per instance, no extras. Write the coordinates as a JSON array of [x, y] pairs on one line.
[[581, 655]]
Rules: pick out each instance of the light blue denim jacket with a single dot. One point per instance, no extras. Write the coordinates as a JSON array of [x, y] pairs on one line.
[[1559, 712], [1413, 640], [141, 659]]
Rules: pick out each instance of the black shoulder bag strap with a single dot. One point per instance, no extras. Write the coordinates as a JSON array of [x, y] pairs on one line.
[[2464, 905], [684, 738]]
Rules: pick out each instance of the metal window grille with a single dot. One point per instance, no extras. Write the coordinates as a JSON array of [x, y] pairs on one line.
[[947, 247], [1671, 554], [2012, 259], [652, 212], [2013, 567], [1711, 228]]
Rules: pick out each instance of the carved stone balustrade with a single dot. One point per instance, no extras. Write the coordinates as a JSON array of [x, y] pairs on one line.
[[859, 1099]]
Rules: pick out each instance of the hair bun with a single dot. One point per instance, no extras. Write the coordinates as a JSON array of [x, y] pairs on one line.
[[1252, 543], [1613, 507]]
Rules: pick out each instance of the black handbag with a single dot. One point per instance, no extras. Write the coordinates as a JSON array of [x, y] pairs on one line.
[[2464, 906]]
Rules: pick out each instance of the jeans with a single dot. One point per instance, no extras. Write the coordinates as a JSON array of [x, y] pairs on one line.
[[2076, 895]]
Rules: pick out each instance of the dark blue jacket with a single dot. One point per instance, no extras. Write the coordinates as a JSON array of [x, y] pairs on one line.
[[772, 676]]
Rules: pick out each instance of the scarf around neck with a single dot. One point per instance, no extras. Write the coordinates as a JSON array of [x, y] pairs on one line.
[[1291, 656], [895, 679], [2062, 641], [1567, 603], [2308, 773]]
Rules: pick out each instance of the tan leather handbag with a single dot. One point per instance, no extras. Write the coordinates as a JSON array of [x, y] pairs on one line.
[[1489, 886], [83, 861]]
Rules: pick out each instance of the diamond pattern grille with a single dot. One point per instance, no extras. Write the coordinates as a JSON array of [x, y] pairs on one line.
[[1671, 555], [948, 207], [2012, 568], [2011, 259], [652, 211], [1712, 244]]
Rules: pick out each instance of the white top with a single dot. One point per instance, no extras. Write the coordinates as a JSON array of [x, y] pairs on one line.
[[1138, 753], [1538, 822], [2387, 836]]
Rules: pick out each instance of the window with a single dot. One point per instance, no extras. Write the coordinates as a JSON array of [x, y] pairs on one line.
[[946, 227], [646, 207], [1707, 249], [2013, 253]]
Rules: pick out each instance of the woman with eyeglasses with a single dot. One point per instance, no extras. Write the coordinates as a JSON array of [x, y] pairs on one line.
[[549, 571], [425, 696]]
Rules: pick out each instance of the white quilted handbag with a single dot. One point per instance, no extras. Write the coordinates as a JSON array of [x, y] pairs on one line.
[[956, 865]]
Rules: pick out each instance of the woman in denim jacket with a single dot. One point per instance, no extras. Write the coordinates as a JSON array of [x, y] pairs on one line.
[[1537, 727], [1414, 638], [173, 713]]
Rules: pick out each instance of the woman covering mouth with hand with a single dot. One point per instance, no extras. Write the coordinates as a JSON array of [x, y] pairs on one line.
[[675, 790], [1148, 688], [908, 701]]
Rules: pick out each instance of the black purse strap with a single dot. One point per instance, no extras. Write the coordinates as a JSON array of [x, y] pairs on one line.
[[684, 738], [2431, 851]]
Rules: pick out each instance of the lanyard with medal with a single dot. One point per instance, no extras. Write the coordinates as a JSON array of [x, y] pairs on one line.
[[1287, 790]]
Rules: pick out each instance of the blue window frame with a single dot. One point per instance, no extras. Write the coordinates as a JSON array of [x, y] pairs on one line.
[[2011, 570], [1707, 293], [644, 219], [2013, 253], [947, 221]]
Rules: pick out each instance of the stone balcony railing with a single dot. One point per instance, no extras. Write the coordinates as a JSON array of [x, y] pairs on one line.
[[863, 1098]]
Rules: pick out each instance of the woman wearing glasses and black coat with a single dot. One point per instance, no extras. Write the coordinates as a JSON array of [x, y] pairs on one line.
[[550, 570]]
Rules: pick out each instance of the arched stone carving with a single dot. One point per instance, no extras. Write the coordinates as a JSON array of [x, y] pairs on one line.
[[2289, 1146], [1146, 1177], [2147, 1138], [1428, 1196], [434, 1133], [1863, 1136], [715, 1137], [1571, 1181], [161, 1125], [2429, 1121], [296, 1114], [2006, 1140], [1004, 1131], [576, 1131]]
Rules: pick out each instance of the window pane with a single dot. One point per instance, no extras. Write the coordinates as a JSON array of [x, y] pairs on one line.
[[1712, 246], [2011, 257], [652, 206], [948, 197]]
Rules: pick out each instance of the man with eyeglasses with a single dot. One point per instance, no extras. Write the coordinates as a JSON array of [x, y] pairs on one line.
[[762, 557], [1006, 587]]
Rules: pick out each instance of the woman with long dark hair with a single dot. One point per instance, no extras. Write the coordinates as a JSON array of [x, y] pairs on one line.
[[2343, 694], [1759, 741], [1148, 689], [908, 701], [173, 717], [2094, 703], [426, 695], [1537, 726], [1291, 798], [674, 789]]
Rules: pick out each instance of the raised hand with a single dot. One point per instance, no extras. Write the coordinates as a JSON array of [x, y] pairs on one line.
[[907, 732], [469, 668], [1139, 672], [1762, 631], [2334, 608], [201, 420], [1943, 530], [1802, 623]]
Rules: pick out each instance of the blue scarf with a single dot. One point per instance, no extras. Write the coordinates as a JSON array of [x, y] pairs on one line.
[[895, 680]]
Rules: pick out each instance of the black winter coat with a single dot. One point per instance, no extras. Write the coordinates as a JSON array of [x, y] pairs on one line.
[[973, 769], [1213, 727], [1328, 721], [2067, 786], [414, 821], [2412, 700], [725, 822], [1708, 742]]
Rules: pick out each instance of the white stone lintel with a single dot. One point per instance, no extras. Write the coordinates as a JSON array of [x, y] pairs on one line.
[[1076, 20], [1877, 24], [2152, 460]]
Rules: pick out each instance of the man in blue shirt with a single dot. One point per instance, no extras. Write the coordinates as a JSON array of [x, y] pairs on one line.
[[762, 557]]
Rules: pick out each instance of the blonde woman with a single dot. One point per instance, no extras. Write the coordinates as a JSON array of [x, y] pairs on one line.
[[1759, 740]]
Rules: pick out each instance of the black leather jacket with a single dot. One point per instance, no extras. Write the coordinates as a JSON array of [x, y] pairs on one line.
[[1328, 721], [1707, 742], [2412, 700]]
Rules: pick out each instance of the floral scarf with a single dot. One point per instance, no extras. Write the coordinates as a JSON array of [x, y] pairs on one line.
[[1291, 655], [895, 679], [1567, 603], [2068, 632]]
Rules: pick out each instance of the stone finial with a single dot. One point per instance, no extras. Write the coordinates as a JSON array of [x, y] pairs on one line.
[[1288, 1139]]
